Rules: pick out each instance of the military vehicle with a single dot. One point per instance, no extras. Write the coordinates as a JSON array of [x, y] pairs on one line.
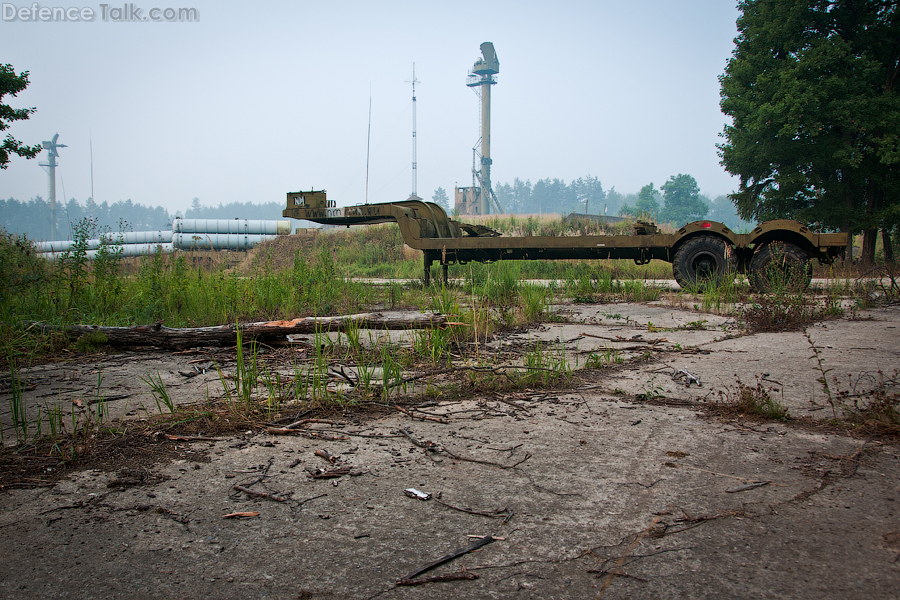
[[702, 253]]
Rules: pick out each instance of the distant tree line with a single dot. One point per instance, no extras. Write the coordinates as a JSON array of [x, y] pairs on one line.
[[33, 218], [234, 210], [551, 196], [677, 201]]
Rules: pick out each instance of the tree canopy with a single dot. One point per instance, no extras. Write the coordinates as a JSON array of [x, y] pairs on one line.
[[815, 132], [12, 84], [646, 206], [682, 200]]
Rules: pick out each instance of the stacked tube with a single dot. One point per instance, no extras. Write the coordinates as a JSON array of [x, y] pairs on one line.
[[186, 234]]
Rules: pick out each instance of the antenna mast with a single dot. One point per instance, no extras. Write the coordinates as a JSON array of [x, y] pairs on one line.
[[368, 143], [93, 202], [414, 82]]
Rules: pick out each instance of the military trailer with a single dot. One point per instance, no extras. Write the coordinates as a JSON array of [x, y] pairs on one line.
[[702, 253]]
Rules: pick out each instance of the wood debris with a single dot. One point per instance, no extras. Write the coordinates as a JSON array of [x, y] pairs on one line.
[[455, 554], [263, 495]]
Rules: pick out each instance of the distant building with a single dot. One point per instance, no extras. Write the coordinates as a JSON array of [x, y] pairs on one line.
[[466, 200]]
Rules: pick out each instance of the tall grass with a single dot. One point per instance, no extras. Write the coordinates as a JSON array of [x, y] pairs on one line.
[[167, 288]]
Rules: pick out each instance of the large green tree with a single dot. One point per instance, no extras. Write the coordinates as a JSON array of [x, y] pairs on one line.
[[12, 84], [815, 132], [682, 200]]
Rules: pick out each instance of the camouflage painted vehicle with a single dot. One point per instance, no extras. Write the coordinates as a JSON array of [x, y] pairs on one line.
[[702, 253]]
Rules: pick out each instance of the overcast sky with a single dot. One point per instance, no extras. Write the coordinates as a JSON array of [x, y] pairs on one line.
[[258, 99]]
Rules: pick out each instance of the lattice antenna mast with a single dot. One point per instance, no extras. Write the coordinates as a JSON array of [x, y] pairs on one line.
[[414, 81]]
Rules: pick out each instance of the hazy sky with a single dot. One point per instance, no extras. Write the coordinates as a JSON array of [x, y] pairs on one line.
[[258, 99]]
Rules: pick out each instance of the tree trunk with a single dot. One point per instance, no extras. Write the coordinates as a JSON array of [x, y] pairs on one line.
[[870, 236], [888, 246], [221, 335], [848, 205]]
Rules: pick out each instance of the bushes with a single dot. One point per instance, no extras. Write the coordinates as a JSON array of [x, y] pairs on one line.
[[22, 272]]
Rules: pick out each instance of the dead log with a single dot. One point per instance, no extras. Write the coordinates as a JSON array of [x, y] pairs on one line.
[[224, 335]]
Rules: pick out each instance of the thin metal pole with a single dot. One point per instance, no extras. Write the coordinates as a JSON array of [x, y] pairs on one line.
[[368, 143]]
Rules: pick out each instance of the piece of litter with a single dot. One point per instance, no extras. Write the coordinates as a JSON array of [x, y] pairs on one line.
[[414, 493], [688, 378]]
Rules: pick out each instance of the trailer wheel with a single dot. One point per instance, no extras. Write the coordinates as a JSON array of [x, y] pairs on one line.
[[702, 262], [780, 265]]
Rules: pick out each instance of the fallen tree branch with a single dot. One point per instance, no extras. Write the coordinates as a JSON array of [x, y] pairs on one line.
[[430, 446], [223, 335], [420, 417], [313, 435]]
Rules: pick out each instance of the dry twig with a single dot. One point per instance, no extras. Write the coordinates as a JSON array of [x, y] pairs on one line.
[[256, 494]]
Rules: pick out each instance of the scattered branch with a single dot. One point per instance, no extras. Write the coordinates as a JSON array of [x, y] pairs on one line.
[[262, 495], [500, 512], [457, 553], [459, 575]]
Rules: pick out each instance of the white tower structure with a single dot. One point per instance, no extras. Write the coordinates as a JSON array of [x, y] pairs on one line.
[[481, 78], [51, 147]]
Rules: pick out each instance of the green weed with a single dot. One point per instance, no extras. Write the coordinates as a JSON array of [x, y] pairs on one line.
[[17, 408], [597, 359], [159, 392], [754, 401], [545, 367], [871, 400], [785, 312]]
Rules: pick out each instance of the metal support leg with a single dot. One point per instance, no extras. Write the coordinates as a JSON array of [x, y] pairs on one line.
[[446, 280], [428, 261]]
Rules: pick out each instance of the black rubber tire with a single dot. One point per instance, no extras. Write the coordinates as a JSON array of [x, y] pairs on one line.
[[780, 265], [702, 262]]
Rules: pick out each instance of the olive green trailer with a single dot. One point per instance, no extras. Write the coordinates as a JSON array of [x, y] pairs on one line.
[[701, 253]]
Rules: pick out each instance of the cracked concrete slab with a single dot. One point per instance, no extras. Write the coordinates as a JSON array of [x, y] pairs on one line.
[[591, 485], [791, 364], [596, 493]]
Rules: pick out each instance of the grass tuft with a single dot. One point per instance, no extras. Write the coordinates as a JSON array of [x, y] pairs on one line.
[[755, 401]]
